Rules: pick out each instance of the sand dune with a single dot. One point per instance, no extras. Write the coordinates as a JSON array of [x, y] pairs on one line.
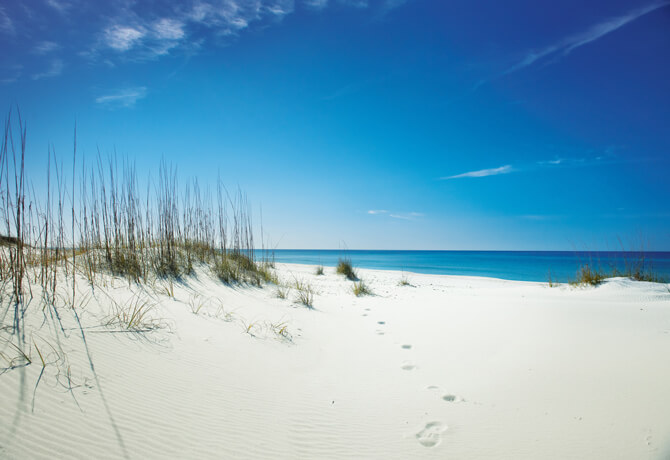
[[448, 367]]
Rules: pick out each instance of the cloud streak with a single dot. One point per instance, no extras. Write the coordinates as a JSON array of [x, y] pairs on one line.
[[6, 24], [555, 163], [406, 216], [482, 173], [396, 215], [123, 98], [122, 38], [316, 4], [156, 31], [45, 47], [568, 44], [54, 69]]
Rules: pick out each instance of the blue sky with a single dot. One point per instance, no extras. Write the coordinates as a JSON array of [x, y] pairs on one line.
[[383, 124]]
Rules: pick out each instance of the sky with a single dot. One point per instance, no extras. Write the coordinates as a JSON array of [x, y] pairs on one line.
[[368, 124]]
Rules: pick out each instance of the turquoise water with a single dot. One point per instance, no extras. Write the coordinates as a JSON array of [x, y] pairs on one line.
[[511, 265]]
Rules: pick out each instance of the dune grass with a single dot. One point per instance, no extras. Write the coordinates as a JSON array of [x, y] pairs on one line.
[[638, 270], [283, 291], [134, 315], [360, 289], [404, 280], [319, 270], [304, 293], [344, 267], [97, 223], [587, 276]]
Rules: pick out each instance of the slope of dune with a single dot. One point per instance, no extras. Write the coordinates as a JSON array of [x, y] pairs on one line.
[[446, 367]]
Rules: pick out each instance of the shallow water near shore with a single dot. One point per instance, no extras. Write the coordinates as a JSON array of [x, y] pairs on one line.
[[561, 266]]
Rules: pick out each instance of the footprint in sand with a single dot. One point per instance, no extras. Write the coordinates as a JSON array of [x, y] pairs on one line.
[[406, 346], [431, 434], [381, 323], [407, 366], [449, 398], [380, 332]]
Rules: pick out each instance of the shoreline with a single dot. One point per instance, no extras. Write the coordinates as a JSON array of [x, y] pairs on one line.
[[523, 274], [400, 273]]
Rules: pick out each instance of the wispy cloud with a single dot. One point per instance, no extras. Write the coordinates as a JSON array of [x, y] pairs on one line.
[[396, 215], [6, 24], [406, 216], [570, 43], [558, 162], [280, 7], [316, 4], [482, 173], [169, 29], [389, 5], [10, 74], [605, 158], [55, 68], [62, 6], [45, 47], [122, 98], [128, 30], [138, 35], [122, 38], [356, 3]]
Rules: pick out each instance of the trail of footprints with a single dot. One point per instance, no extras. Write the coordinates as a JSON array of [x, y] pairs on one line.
[[431, 433]]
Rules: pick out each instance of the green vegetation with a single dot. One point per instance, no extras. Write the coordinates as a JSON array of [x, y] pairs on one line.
[[95, 220], [588, 276], [404, 281], [344, 267], [283, 292], [237, 267], [319, 270], [360, 289], [304, 293], [134, 315], [550, 280]]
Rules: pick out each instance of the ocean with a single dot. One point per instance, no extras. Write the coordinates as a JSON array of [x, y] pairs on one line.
[[561, 266]]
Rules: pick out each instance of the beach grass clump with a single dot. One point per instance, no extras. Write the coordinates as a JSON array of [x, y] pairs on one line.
[[319, 270], [360, 289], [587, 276], [550, 280], [266, 273], [280, 330], [134, 315], [344, 267], [9, 241], [236, 267], [196, 304], [643, 274], [404, 281], [283, 291], [304, 293], [227, 270]]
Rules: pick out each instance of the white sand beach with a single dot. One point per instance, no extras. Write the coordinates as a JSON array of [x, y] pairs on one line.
[[446, 367]]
